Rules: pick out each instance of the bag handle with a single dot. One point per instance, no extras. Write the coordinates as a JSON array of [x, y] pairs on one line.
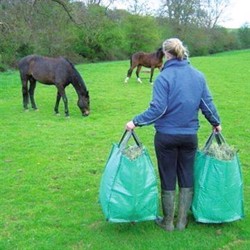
[[214, 135], [125, 138]]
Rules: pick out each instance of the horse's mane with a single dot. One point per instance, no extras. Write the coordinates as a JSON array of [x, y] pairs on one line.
[[77, 75], [72, 65]]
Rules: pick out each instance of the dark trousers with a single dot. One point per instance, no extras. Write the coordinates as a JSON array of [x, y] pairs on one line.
[[175, 156]]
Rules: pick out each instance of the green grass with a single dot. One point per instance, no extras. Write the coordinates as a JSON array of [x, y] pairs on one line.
[[51, 166]]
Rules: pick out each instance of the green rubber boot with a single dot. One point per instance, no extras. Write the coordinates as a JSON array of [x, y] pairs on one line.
[[185, 201], [167, 199]]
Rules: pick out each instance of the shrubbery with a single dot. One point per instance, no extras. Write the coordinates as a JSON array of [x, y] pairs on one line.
[[99, 34]]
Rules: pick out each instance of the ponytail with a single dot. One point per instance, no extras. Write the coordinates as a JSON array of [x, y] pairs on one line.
[[175, 47]]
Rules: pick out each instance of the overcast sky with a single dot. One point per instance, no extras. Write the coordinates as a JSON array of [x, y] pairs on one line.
[[238, 14]]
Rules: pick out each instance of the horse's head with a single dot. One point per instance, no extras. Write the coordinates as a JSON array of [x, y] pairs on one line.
[[83, 103], [83, 94], [160, 53]]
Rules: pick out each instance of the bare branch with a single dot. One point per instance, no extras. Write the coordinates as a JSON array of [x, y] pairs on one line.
[[4, 26], [65, 7]]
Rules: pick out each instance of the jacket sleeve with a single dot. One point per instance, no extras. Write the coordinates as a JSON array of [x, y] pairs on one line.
[[208, 108], [157, 107]]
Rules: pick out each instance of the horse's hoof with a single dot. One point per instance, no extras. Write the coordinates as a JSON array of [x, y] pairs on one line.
[[36, 109], [126, 80], [57, 114], [26, 110]]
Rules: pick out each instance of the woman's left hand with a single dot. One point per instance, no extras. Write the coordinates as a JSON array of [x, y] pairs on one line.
[[217, 128]]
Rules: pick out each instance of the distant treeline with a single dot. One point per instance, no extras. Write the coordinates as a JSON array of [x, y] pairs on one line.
[[92, 32]]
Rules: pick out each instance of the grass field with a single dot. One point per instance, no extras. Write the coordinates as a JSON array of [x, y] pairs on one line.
[[51, 166]]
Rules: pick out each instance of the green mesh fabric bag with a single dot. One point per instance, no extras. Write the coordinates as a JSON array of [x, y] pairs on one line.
[[218, 187], [128, 190]]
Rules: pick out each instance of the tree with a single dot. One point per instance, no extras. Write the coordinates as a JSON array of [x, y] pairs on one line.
[[142, 34], [94, 30], [34, 27], [203, 13], [100, 37], [138, 7], [244, 36], [180, 12], [213, 11], [103, 3]]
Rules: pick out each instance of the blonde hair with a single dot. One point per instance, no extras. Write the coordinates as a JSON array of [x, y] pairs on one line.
[[175, 47]]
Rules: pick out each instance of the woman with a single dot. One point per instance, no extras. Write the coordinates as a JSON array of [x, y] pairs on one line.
[[179, 92]]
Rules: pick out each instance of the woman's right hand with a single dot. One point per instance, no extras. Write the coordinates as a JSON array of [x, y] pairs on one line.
[[130, 126]]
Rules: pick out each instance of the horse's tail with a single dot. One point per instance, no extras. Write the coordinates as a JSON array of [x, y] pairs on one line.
[[131, 60]]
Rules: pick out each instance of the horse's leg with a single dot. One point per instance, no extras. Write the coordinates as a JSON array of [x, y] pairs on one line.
[[25, 92], [65, 100], [31, 93], [61, 90], [138, 72], [58, 98], [130, 71], [151, 74]]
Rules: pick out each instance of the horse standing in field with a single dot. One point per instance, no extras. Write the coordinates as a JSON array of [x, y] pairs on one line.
[[149, 60], [52, 71]]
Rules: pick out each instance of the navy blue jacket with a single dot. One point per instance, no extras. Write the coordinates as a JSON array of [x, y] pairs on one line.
[[179, 92]]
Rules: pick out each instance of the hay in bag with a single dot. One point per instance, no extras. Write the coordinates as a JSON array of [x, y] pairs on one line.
[[128, 190], [218, 187]]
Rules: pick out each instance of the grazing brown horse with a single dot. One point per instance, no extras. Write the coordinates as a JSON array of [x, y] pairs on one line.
[[149, 60], [52, 71]]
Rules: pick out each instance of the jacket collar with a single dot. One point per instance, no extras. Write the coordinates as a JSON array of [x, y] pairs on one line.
[[175, 62]]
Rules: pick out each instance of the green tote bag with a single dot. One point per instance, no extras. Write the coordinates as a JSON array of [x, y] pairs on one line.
[[218, 187], [128, 189]]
